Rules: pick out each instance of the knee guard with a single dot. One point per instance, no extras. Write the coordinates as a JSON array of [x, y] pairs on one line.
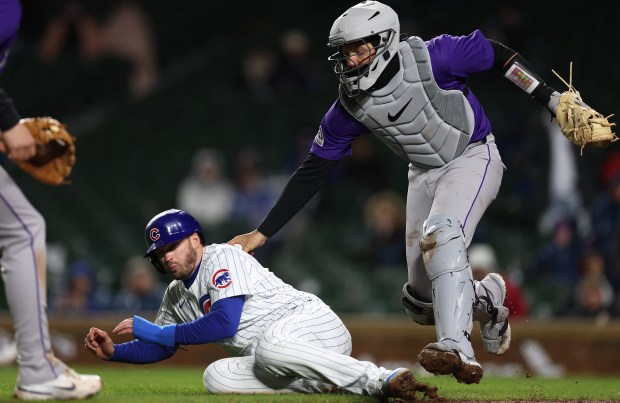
[[445, 259], [443, 246], [421, 312]]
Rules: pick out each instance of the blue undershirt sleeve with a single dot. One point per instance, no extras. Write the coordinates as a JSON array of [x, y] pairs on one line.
[[140, 352], [220, 323]]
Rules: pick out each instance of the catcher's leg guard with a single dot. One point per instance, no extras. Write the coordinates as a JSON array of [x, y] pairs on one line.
[[492, 315], [421, 312], [445, 258]]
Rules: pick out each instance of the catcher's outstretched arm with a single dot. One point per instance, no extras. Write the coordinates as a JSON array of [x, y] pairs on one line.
[[518, 71]]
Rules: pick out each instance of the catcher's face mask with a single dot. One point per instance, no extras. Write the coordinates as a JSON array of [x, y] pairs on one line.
[[368, 22]]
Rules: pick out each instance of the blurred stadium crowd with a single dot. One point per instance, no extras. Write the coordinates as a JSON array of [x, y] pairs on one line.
[[209, 107]]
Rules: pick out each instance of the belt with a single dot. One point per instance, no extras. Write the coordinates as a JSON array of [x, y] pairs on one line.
[[481, 141]]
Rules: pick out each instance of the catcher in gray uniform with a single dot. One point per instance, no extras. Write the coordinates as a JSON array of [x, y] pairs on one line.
[[411, 94]]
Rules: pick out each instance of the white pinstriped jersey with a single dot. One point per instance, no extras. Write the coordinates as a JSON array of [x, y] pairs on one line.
[[226, 271]]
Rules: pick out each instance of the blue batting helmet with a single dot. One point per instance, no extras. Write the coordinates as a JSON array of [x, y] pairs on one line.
[[167, 227]]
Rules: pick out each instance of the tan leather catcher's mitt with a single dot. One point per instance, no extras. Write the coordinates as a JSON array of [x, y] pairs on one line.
[[580, 123]]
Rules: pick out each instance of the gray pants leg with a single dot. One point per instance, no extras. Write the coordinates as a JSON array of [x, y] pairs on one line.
[[22, 241], [463, 189]]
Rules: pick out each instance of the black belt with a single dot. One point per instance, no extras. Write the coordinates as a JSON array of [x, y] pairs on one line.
[[481, 141]]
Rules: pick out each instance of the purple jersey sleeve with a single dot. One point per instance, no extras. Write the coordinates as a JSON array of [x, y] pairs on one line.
[[336, 134], [453, 59], [10, 16]]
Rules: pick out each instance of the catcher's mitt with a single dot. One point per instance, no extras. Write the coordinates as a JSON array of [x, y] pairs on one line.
[[55, 151], [579, 123]]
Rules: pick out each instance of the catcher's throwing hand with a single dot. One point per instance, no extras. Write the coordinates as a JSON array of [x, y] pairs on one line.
[[248, 242], [47, 154], [99, 343], [581, 124]]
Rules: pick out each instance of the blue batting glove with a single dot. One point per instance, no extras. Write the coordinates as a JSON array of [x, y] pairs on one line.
[[148, 331]]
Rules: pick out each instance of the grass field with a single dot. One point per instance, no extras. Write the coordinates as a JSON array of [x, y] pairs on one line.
[[153, 383]]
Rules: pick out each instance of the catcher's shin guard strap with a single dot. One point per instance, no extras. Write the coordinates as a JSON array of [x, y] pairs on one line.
[[420, 312]]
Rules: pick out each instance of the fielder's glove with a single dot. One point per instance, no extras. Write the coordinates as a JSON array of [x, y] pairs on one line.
[[579, 123], [55, 151]]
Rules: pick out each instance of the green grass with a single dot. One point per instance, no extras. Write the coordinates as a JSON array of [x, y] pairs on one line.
[[160, 383]]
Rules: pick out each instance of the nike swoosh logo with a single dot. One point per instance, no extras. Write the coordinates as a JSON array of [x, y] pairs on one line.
[[72, 387], [400, 112]]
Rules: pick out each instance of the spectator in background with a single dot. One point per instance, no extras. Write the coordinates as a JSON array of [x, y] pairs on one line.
[[119, 28], [483, 260], [605, 216], [564, 196], [383, 242], [71, 17], [258, 66], [142, 291], [127, 33], [365, 169], [254, 196], [296, 72], [207, 193], [83, 295], [555, 266], [593, 296]]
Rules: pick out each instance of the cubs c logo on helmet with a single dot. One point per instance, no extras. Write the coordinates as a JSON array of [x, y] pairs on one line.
[[154, 234], [221, 279]]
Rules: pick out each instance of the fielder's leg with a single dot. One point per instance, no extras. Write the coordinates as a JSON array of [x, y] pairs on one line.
[[22, 237], [417, 291], [445, 257]]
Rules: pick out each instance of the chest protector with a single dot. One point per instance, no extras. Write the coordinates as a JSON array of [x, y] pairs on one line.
[[422, 123]]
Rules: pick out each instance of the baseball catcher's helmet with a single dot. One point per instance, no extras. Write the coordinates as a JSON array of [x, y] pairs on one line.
[[368, 21], [167, 227]]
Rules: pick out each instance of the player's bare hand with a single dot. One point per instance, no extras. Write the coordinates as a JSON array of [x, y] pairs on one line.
[[250, 241], [18, 142], [99, 343], [125, 327]]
